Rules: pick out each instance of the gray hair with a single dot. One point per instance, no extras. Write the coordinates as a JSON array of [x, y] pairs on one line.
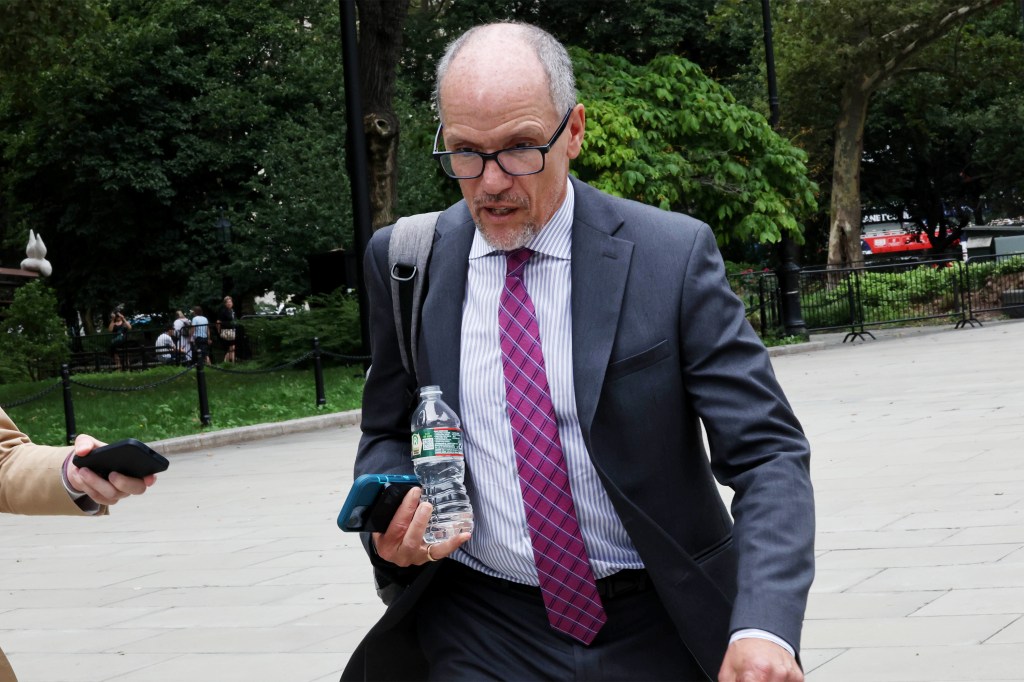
[[552, 55]]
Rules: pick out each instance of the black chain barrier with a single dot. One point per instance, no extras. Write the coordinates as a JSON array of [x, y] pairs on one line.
[[37, 396], [290, 363], [349, 358], [204, 407]]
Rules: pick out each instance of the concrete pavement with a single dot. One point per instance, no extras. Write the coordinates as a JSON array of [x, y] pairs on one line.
[[232, 567]]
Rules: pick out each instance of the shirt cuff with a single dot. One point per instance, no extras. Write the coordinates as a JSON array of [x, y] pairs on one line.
[[752, 633], [84, 502]]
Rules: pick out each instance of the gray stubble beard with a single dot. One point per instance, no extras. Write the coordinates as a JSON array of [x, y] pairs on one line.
[[508, 241]]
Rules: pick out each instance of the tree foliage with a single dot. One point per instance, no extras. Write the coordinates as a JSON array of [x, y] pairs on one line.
[[942, 142], [667, 135], [168, 122], [33, 340], [840, 53], [638, 31]]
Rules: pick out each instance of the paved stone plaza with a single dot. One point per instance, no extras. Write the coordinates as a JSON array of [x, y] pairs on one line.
[[232, 567]]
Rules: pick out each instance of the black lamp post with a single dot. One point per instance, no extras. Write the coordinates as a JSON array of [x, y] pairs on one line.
[[788, 272]]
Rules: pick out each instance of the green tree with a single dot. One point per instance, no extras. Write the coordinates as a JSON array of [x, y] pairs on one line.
[[638, 31], [834, 57], [667, 135], [942, 142], [33, 340], [183, 149]]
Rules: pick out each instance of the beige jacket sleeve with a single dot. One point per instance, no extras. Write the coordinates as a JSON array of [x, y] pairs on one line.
[[30, 475]]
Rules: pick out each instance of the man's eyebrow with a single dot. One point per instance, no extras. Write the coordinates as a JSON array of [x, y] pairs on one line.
[[527, 132]]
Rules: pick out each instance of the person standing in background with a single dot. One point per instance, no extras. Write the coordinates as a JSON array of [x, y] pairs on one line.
[[226, 328], [183, 336], [201, 342], [119, 327]]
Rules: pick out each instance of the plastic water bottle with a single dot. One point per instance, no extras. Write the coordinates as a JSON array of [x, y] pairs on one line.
[[439, 464]]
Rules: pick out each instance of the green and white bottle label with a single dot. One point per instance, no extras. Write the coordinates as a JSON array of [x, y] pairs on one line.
[[437, 442]]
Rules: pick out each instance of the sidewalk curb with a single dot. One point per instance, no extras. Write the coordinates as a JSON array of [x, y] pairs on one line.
[[244, 434], [795, 348]]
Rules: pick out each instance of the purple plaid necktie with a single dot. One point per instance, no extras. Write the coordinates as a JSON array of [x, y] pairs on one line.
[[566, 580]]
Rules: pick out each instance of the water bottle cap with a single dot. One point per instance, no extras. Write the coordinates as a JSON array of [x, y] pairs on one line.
[[427, 390]]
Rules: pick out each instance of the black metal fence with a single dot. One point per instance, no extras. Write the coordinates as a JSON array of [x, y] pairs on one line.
[[760, 294], [196, 362], [961, 292], [137, 349]]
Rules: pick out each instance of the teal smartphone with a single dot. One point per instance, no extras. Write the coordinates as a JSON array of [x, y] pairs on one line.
[[373, 501]]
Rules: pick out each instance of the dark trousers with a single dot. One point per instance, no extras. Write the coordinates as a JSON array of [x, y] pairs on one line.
[[473, 627]]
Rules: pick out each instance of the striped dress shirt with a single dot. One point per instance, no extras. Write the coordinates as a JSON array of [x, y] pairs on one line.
[[501, 545]]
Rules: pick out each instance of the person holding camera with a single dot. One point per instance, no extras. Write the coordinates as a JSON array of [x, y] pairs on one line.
[[119, 327]]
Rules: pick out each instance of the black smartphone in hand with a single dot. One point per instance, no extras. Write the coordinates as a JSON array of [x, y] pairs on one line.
[[130, 457], [373, 501]]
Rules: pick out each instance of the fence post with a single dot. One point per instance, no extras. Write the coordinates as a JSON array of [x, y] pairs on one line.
[[318, 373], [967, 317], [762, 312], [69, 407], [856, 309], [204, 402]]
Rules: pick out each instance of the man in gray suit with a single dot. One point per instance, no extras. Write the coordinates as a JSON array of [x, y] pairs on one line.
[[642, 341]]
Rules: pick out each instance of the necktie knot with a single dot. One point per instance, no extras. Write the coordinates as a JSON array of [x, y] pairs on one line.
[[515, 261]]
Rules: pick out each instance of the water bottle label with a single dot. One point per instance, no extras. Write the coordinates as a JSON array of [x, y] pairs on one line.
[[439, 441]]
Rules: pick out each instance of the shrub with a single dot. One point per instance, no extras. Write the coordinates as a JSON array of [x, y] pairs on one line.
[[33, 342], [332, 318]]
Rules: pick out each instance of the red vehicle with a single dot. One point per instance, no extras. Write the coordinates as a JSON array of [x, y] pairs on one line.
[[897, 241]]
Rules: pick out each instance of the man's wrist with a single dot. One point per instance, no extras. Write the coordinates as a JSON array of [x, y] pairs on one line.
[[75, 494], [84, 502], [753, 633]]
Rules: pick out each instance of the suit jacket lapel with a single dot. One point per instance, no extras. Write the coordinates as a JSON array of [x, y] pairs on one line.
[[600, 265], [441, 326]]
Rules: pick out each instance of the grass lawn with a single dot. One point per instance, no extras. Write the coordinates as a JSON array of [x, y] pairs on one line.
[[169, 409]]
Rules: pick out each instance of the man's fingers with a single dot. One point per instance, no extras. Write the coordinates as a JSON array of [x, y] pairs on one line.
[[84, 444], [127, 484], [440, 550], [100, 490]]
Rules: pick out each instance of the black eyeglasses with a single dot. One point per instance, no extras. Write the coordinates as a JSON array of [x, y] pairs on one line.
[[514, 160]]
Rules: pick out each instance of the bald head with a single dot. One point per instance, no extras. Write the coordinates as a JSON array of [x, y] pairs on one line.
[[512, 56]]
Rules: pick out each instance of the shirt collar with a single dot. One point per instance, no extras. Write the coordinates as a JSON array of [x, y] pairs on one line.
[[554, 238]]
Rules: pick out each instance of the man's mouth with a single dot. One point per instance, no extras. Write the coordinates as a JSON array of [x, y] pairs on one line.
[[500, 205]]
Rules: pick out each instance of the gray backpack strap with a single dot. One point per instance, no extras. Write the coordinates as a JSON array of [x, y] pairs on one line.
[[408, 254]]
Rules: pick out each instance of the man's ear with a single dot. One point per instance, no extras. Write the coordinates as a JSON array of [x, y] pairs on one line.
[[577, 125]]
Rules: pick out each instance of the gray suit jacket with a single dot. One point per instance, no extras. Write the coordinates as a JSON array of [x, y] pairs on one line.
[[660, 344]]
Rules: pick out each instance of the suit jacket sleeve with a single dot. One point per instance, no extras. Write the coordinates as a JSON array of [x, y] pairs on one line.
[[384, 447], [757, 448], [30, 475]]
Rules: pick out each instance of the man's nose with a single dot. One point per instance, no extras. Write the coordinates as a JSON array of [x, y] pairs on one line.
[[494, 178]]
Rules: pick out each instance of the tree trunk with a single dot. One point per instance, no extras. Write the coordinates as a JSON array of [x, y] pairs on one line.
[[380, 45], [844, 235]]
